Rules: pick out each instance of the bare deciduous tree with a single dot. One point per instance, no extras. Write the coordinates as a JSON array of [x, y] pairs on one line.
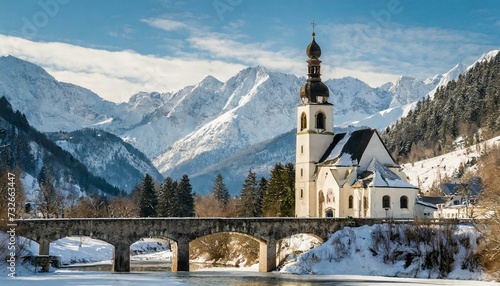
[[489, 170]]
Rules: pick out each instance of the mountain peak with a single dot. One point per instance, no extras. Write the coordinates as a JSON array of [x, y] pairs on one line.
[[403, 78], [12, 65], [485, 57], [210, 82]]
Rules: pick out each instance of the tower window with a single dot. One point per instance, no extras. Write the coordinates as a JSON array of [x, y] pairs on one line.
[[320, 121], [351, 199], [301, 193], [403, 202], [303, 121], [365, 202], [301, 172], [301, 149], [386, 202]]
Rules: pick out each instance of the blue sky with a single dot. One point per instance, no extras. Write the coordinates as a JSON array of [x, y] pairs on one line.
[[117, 48]]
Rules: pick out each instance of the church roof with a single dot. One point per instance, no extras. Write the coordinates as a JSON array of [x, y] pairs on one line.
[[384, 177], [348, 147], [433, 199]]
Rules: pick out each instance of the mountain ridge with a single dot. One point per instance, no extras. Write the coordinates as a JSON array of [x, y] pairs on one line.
[[199, 123]]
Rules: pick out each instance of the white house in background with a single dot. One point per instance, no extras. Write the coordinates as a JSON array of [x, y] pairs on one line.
[[426, 206], [347, 174]]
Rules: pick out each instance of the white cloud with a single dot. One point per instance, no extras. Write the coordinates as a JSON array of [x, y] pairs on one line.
[[115, 76], [224, 47], [166, 24], [395, 49]]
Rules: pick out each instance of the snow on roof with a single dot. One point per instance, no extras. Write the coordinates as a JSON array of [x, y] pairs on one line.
[[384, 177], [426, 204], [337, 150], [347, 148]]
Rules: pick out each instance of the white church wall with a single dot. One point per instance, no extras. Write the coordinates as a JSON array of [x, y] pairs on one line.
[[326, 182], [375, 149], [395, 210]]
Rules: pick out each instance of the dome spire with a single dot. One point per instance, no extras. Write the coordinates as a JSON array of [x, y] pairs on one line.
[[314, 91], [313, 51]]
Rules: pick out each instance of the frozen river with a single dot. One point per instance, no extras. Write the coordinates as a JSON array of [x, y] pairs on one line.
[[227, 278]]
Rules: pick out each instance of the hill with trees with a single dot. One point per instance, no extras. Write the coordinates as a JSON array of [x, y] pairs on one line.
[[465, 111], [32, 151]]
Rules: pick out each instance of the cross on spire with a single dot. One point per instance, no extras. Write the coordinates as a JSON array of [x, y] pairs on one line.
[[313, 25]]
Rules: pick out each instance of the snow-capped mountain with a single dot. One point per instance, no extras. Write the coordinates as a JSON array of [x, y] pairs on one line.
[[107, 156], [258, 106], [408, 89], [353, 99], [200, 126], [31, 151], [48, 104]]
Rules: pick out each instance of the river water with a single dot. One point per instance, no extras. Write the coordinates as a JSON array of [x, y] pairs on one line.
[[217, 278]]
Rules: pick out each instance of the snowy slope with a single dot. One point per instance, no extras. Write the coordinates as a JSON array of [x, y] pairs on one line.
[[48, 104], [424, 173], [107, 156], [408, 89], [257, 109], [353, 99], [384, 250]]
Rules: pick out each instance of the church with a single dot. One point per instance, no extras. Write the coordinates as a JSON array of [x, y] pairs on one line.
[[346, 174]]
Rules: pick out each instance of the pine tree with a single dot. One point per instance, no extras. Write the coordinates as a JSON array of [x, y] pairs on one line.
[[148, 198], [262, 188], [185, 195], [219, 190], [279, 196], [287, 207], [251, 197], [167, 200], [271, 202]]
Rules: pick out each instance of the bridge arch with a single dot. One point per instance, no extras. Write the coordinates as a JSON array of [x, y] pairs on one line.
[[122, 232]]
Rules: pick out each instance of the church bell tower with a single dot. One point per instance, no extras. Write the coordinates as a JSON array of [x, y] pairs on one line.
[[314, 133]]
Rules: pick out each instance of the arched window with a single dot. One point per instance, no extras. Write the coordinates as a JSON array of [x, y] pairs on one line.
[[365, 202], [386, 202], [329, 213], [403, 202], [303, 121], [320, 121], [301, 193], [350, 201]]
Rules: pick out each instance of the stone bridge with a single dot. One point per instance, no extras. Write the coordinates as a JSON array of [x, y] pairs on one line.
[[122, 232]]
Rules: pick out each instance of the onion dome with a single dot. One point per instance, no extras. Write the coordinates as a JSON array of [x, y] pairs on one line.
[[313, 51], [313, 90]]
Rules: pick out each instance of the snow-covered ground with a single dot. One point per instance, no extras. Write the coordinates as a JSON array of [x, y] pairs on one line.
[[378, 250], [384, 250], [83, 250], [424, 173]]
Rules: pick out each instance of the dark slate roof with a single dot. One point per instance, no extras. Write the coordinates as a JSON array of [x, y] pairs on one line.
[[449, 188], [355, 145], [426, 204], [474, 186], [433, 200]]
